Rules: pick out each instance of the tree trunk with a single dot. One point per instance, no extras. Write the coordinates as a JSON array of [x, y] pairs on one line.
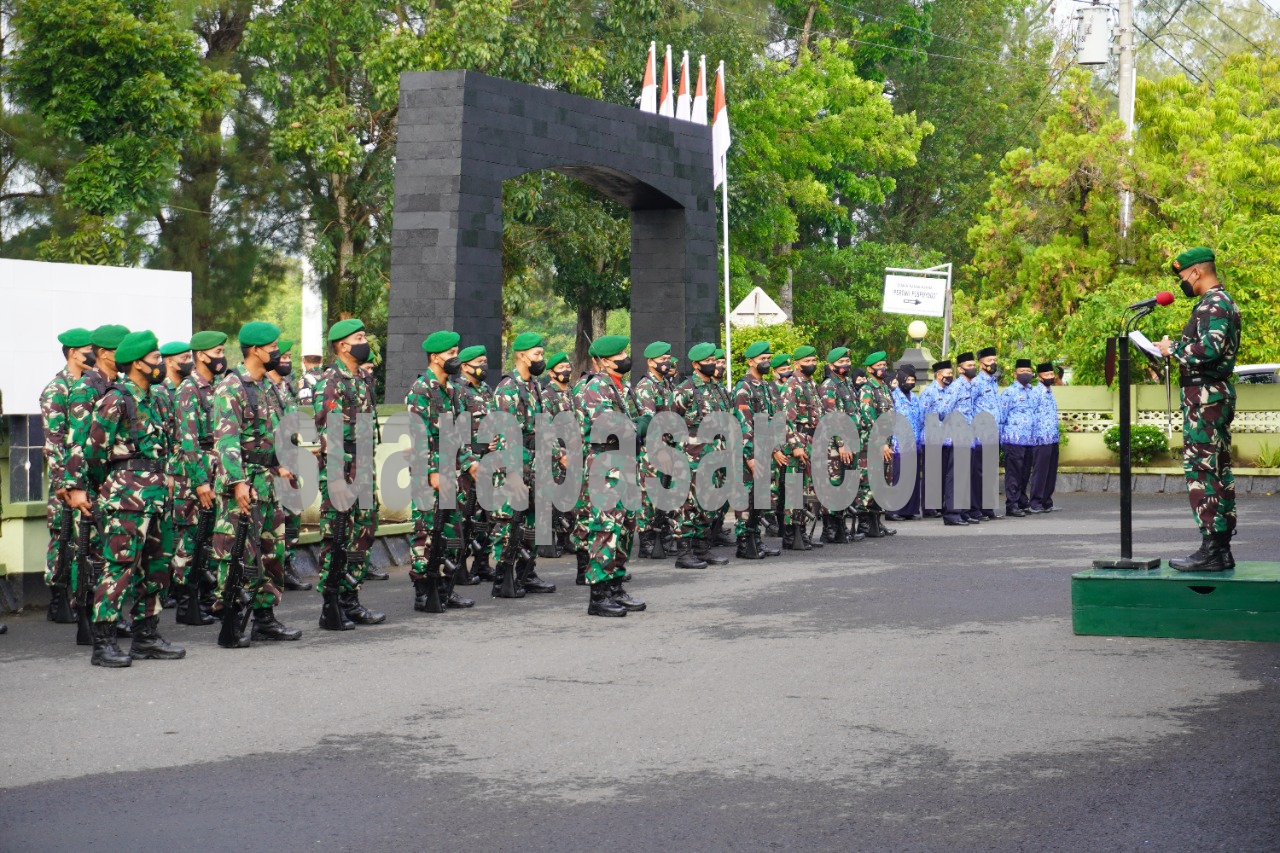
[[589, 326], [803, 53], [337, 301]]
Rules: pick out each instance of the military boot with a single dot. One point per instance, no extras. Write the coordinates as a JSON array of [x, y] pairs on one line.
[[149, 645], [527, 577], [451, 599], [685, 558], [602, 604], [1196, 557], [426, 594], [504, 582], [124, 627], [292, 582], [105, 651], [748, 548], [623, 598], [850, 519], [868, 527], [763, 547], [480, 566], [884, 531], [332, 617], [702, 550], [828, 528], [373, 573], [60, 607], [1223, 543], [719, 537], [584, 562], [648, 538], [267, 627], [189, 611], [357, 612], [810, 541]]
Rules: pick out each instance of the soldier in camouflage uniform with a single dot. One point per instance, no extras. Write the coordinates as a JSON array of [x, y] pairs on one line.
[[520, 394], [717, 536], [341, 395], [127, 439], [244, 441], [611, 528], [654, 394], [875, 399], [804, 407], [54, 399], [1206, 356], [753, 397], [177, 367], [284, 400], [473, 396], [557, 397], [199, 466], [694, 400], [313, 369], [838, 396], [431, 399]]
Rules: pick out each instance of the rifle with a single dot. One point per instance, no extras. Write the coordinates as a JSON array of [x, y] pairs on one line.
[[338, 555], [235, 601], [467, 542], [87, 570], [436, 559], [62, 567], [198, 575]]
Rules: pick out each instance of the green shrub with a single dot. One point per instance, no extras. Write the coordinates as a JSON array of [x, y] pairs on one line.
[[1146, 443], [1268, 456]]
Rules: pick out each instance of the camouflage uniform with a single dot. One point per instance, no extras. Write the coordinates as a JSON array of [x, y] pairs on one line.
[[307, 386], [346, 395], [165, 397], [838, 396], [127, 439], [875, 399], [523, 399], [53, 414], [554, 402], [1206, 355], [694, 400], [283, 399], [198, 463], [652, 395], [244, 442], [76, 468], [476, 400], [430, 401], [610, 530], [752, 396], [804, 407]]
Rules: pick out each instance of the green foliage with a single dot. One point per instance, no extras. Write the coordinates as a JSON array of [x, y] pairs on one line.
[[1268, 456], [1145, 444], [782, 337]]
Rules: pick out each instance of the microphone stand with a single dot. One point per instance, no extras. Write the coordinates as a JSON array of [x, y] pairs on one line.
[[1126, 560]]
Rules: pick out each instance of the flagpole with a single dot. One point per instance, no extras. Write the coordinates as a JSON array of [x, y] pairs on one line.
[[724, 205]]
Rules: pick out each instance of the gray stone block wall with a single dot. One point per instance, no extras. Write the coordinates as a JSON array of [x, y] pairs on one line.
[[461, 134]]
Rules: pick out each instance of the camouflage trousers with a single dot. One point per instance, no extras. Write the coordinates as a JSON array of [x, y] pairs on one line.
[[53, 521], [864, 502], [692, 520], [609, 536], [424, 522], [363, 524], [809, 496], [134, 565], [1206, 461], [748, 521], [507, 523], [264, 574]]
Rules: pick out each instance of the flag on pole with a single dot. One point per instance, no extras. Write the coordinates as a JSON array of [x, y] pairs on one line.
[[683, 102], [720, 130], [649, 88], [698, 110], [667, 103]]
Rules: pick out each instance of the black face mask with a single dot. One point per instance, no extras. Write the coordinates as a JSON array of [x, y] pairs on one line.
[[947, 380], [156, 371], [707, 370], [218, 366], [879, 372], [841, 369], [990, 368], [785, 375], [536, 367], [480, 372], [184, 370], [970, 372], [907, 385], [90, 358], [719, 372], [452, 366], [622, 365], [808, 369], [562, 377], [763, 368], [273, 360], [1187, 290], [1048, 383], [664, 368], [1023, 378], [360, 352], [284, 368]]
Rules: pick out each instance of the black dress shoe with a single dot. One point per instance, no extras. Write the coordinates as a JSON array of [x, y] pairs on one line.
[[456, 601], [293, 583], [1016, 513], [893, 516], [955, 522], [932, 513], [1034, 511]]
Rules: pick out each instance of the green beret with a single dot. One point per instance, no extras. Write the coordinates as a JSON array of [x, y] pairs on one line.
[[285, 345], [108, 337], [344, 328], [1191, 257], [878, 355], [657, 349], [438, 342], [804, 352], [175, 348], [779, 360], [75, 338], [135, 346], [607, 346], [472, 353], [701, 352], [719, 352], [837, 353], [258, 334], [558, 358], [202, 341], [526, 341], [756, 349]]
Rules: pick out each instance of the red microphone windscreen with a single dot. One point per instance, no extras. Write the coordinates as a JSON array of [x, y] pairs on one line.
[[1164, 297]]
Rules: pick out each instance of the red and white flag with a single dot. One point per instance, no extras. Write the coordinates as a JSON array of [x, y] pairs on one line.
[[698, 110], [720, 131], [667, 101], [649, 89], [684, 103]]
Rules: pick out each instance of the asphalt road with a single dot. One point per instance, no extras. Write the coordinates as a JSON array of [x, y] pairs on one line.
[[918, 693]]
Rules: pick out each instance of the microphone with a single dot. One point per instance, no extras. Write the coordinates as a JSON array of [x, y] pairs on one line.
[[1164, 297]]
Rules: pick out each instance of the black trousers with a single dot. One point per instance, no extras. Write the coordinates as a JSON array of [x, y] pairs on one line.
[[912, 506], [1044, 475], [1017, 476], [949, 508], [975, 487]]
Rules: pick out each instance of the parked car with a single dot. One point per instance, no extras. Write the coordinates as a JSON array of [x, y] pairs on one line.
[[1257, 374]]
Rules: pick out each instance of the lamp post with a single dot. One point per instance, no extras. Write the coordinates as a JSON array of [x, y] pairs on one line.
[[916, 356]]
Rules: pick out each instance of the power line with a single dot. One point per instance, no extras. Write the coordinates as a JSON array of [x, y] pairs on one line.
[[1195, 36], [1228, 26], [1167, 53]]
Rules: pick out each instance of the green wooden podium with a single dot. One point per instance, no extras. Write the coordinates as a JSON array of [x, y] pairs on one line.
[[1243, 604]]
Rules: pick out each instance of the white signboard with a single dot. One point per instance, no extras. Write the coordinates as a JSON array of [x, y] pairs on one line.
[[922, 296], [757, 310], [43, 300]]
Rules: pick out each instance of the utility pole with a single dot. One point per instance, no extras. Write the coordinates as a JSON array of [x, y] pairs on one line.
[[1127, 91]]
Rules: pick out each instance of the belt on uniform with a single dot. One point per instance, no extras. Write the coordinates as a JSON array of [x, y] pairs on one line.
[[349, 447], [267, 459], [137, 463], [1198, 380], [206, 444], [479, 448], [600, 447]]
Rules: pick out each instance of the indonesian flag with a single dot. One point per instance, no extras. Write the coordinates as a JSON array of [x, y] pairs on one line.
[[698, 111], [649, 89], [720, 131], [667, 103], [683, 102]]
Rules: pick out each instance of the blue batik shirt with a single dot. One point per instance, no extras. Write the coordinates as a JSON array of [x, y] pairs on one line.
[[1019, 407], [1045, 430], [962, 397], [908, 405], [930, 401]]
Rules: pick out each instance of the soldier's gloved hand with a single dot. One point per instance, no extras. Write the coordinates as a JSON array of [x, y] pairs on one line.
[[204, 494], [243, 497], [79, 499]]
